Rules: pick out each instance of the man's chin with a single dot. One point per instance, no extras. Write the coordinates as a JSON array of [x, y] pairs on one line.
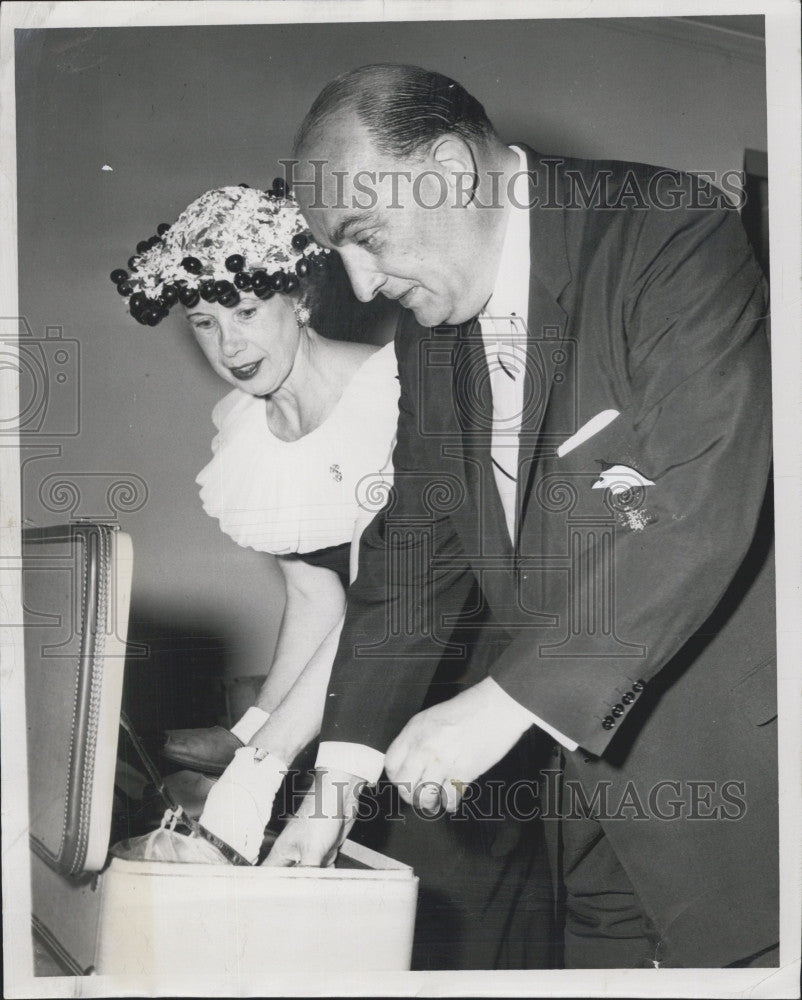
[[432, 316]]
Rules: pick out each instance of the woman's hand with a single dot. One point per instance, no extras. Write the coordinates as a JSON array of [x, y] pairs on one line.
[[322, 823], [239, 805]]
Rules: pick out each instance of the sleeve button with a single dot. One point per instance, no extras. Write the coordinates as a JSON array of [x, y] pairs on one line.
[[628, 698], [638, 686], [617, 711]]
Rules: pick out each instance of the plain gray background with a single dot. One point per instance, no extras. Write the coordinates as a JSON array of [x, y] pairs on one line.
[[175, 111]]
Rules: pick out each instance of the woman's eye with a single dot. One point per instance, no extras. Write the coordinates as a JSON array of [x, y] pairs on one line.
[[246, 314], [204, 325]]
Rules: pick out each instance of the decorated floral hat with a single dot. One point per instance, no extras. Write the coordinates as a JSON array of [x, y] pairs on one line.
[[230, 240]]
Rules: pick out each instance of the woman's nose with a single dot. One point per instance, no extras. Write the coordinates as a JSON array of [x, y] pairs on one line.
[[230, 340]]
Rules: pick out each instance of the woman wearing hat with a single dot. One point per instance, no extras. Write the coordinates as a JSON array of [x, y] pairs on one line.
[[301, 463]]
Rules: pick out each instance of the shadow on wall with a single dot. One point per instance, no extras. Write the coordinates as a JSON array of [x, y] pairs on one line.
[[339, 315], [177, 682]]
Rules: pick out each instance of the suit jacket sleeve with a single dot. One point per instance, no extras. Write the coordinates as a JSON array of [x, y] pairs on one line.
[[392, 639], [699, 427]]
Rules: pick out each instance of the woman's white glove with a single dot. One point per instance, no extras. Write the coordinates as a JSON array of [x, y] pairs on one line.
[[239, 805]]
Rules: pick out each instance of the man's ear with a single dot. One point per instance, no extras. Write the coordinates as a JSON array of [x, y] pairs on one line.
[[454, 159]]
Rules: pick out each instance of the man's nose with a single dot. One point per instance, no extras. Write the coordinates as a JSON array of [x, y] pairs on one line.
[[365, 280]]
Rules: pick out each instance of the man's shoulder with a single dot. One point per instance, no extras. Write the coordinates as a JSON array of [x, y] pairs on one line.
[[606, 184]]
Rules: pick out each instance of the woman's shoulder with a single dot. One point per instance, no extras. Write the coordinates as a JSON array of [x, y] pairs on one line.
[[231, 408], [374, 385], [375, 363]]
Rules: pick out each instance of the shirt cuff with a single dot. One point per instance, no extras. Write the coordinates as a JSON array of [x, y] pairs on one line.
[[555, 734], [353, 758]]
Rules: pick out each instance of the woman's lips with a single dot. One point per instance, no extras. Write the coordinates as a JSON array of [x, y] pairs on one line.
[[245, 372]]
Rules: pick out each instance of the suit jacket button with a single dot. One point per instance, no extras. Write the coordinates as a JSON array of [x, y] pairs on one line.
[[608, 722], [628, 698], [638, 686], [617, 710]]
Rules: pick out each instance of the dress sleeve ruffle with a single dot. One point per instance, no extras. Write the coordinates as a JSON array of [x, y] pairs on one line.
[[283, 497]]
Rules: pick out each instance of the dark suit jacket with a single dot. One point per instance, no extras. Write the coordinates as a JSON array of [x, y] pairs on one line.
[[640, 625]]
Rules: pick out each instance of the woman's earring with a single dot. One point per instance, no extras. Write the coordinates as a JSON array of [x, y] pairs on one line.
[[302, 315]]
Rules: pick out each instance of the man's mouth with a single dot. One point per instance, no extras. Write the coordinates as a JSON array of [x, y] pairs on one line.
[[245, 372]]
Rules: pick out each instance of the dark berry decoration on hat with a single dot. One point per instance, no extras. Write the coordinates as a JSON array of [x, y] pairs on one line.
[[192, 264], [204, 254]]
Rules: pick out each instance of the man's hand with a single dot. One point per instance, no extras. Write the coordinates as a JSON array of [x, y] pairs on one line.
[[325, 817], [446, 747]]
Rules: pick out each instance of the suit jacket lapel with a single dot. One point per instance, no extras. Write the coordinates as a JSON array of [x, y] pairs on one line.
[[549, 275]]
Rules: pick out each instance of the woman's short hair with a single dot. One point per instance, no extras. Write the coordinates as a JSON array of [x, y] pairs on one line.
[[404, 108]]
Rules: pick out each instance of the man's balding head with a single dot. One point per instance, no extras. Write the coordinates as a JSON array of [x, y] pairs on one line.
[[391, 161], [403, 108]]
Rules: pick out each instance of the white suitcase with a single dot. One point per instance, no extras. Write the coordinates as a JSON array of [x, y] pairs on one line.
[[153, 921]]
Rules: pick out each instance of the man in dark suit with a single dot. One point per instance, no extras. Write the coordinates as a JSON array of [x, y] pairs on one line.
[[585, 430]]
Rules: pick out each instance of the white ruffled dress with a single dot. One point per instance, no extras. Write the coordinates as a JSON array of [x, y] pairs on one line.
[[300, 496]]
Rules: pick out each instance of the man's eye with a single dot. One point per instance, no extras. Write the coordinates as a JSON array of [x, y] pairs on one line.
[[369, 242]]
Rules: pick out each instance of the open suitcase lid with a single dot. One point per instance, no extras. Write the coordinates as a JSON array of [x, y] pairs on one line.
[[76, 587]]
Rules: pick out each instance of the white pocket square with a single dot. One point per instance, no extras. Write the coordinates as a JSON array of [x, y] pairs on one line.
[[587, 431], [619, 479]]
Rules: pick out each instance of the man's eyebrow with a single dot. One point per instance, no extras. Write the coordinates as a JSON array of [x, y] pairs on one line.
[[347, 223]]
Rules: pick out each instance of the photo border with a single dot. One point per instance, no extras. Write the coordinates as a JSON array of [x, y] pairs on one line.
[[784, 130]]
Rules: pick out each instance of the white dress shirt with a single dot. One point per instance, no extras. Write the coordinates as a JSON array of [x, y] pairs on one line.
[[504, 333]]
